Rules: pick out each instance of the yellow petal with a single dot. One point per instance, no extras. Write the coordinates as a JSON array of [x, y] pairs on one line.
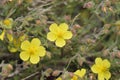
[[12, 49], [74, 77], [21, 38], [34, 59], [95, 69], [100, 76], [51, 36], [80, 73], [25, 45], [42, 51], [53, 27], [10, 37], [98, 60], [83, 71], [24, 56], [63, 26], [59, 78], [67, 35], [35, 42], [2, 35], [106, 63], [60, 42], [107, 75]]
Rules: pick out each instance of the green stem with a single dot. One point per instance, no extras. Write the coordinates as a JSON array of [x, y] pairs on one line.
[[71, 59]]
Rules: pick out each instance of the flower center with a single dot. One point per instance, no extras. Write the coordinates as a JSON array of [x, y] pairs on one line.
[[6, 22], [60, 34], [31, 50], [103, 69]]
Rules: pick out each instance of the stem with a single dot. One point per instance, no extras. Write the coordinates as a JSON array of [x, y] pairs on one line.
[[62, 52], [74, 19], [71, 61]]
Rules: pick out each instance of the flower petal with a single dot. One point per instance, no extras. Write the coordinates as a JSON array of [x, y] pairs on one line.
[[106, 63], [35, 42], [74, 77], [25, 45], [107, 75], [12, 49], [100, 76], [51, 36], [95, 69], [53, 27], [34, 59], [60, 42], [2, 35], [80, 73], [24, 56], [59, 78], [67, 35], [42, 51], [63, 26], [10, 37], [83, 71], [98, 60]]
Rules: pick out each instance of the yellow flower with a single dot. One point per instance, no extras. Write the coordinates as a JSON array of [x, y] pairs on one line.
[[7, 23], [79, 74], [59, 34], [32, 50], [15, 42], [2, 35], [101, 67], [59, 78]]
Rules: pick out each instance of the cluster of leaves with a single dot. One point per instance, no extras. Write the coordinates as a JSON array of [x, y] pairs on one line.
[[95, 26]]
